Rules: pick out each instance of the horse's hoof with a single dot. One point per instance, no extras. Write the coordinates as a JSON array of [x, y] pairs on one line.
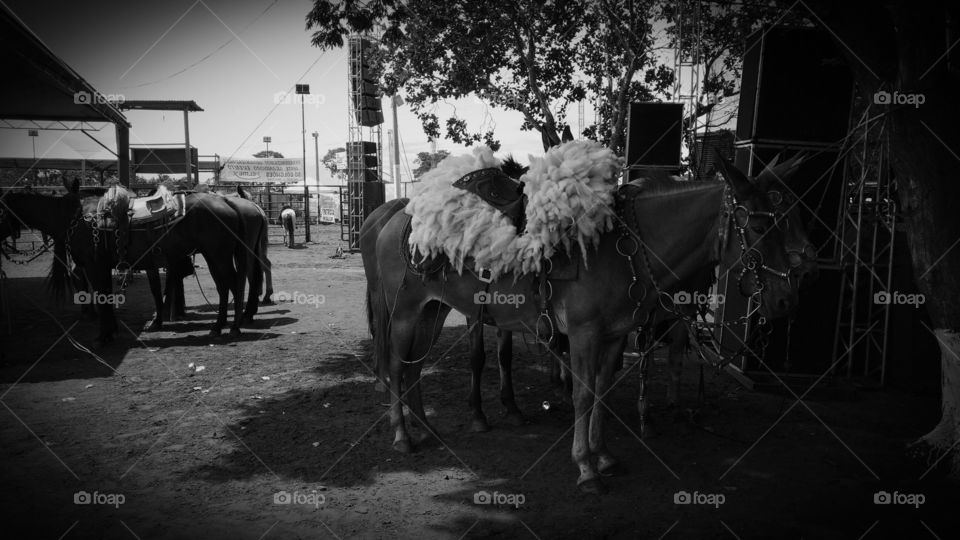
[[514, 419], [215, 332], [479, 425], [592, 486], [157, 324], [404, 446], [235, 332], [613, 469]]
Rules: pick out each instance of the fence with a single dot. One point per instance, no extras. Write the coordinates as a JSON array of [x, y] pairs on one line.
[[325, 205]]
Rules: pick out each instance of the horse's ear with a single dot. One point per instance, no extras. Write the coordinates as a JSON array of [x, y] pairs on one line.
[[567, 135], [734, 177], [241, 192]]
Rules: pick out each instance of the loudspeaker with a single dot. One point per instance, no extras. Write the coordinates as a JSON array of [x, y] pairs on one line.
[[365, 90], [372, 195], [818, 183], [654, 132], [795, 87], [361, 147], [708, 149]]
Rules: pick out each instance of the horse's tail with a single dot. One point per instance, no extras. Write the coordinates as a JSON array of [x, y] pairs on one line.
[[378, 317], [259, 261], [60, 276]]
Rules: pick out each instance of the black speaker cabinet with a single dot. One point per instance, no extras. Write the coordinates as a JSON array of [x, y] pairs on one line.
[[654, 133], [795, 87]]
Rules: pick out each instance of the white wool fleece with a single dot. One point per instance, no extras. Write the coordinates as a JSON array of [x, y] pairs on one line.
[[570, 199]]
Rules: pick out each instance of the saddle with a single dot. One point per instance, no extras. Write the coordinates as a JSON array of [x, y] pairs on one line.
[[499, 191], [147, 212]]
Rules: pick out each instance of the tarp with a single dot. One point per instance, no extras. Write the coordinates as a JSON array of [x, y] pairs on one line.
[[263, 171]]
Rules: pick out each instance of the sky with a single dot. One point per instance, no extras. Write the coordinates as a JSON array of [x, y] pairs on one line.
[[231, 57]]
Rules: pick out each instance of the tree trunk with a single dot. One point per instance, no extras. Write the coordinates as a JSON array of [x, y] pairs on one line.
[[903, 50]]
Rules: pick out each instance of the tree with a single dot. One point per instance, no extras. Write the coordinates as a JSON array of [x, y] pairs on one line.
[[904, 46], [426, 161], [330, 162], [529, 56], [268, 154]]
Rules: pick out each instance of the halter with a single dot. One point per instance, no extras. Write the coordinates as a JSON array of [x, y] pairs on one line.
[[629, 244]]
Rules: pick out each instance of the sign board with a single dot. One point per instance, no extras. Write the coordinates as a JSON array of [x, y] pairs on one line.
[[162, 160], [263, 171]]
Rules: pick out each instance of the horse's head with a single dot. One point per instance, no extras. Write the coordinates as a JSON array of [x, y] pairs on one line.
[[755, 235], [801, 253], [512, 168]]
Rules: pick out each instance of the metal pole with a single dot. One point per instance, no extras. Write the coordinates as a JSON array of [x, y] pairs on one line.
[[316, 161], [396, 149], [186, 139], [306, 189]]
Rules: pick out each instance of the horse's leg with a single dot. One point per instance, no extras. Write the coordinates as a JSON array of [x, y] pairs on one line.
[[643, 404], [612, 358], [427, 331], [267, 277], [153, 276], [102, 283], [477, 358], [239, 282], [224, 277], [401, 338], [679, 334], [584, 351], [505, 358]]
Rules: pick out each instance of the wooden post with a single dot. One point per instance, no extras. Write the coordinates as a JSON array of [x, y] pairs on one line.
[[123, 155]]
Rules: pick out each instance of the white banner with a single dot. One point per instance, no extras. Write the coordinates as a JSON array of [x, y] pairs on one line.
[[263, 171]]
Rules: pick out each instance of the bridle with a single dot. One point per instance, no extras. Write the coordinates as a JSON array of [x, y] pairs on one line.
[[734, 215]]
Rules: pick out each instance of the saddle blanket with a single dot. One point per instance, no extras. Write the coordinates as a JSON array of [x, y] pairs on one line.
[[569, 191]]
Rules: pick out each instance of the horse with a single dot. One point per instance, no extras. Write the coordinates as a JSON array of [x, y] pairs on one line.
[[47, 213], [671, 325], [265, 263], [288, 218], [596, 310], [369, 231]]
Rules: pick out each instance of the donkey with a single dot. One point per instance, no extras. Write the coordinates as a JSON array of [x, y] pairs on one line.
[[677, 229]]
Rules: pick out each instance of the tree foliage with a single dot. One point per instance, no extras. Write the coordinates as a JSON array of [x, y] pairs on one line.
[[426, 161], [268, 154]]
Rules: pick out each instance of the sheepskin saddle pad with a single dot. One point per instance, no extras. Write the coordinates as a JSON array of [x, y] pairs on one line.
[[569, 192]]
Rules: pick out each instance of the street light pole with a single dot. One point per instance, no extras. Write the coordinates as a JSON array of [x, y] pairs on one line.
[[316, 160], [304, 89]]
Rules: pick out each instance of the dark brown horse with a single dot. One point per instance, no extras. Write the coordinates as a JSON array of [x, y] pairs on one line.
[[210, 226], [676, 228]]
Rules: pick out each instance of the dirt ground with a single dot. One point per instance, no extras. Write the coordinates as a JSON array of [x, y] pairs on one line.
[[165, 450]]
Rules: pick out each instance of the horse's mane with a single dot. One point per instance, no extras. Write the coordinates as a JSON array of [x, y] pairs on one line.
[[512, 168], [661, 183]]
